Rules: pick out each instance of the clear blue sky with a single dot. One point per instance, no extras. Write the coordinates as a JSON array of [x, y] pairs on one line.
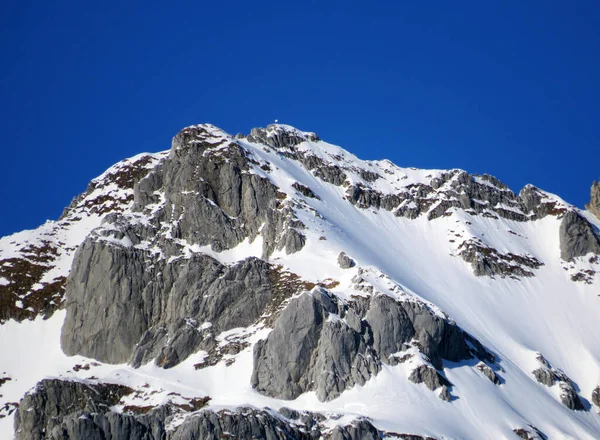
[[508, 88]]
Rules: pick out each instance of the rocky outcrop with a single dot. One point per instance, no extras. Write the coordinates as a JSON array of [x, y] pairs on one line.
[[281, 136], [167, 303], [445, 394], [577, 237], [594, 205], [310, 339], [360, 429], [539, 204], [549, 376], [207, 195], [430, 377], [344, 261], [487, 261], [488, 373], [569, 397], [58, 410], [42, 413], [483, 195], [322, 345], [530, 433], [596, 396]]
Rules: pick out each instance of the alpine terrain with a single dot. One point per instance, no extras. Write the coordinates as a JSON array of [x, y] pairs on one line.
[[275, 286]]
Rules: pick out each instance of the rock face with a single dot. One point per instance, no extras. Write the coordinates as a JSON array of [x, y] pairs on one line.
[[344, 261], [166, 305], [49, 411], [319, 344], [594, 205], [577, 237], [59, 410]]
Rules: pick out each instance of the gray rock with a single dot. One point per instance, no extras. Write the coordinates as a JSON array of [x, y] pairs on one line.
[[489, 373], [103, 278], [281, 136], [166, 303], [319, 345], [530, 433], [361, 429], [545, 376], [307, 351], [210, 198], [487, 261], [594, 205], [445, 394], [429, 376], [42, 411], [59, 410], [345, 262], [577, 237], [569, 397], [243, 423], [549, 376], [596, 396]]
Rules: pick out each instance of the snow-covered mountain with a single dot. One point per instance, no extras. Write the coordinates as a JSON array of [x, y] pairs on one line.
[[276, 286]]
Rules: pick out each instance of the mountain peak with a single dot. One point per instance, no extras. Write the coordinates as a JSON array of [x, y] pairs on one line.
[[278, 269]]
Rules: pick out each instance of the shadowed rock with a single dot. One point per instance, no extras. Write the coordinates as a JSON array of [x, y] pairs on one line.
[[489, 373], [577, 237]]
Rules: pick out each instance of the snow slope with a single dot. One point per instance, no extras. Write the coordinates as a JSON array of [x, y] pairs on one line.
[[515, 319]]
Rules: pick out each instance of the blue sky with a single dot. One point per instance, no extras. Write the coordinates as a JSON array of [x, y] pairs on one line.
[[510, 89]]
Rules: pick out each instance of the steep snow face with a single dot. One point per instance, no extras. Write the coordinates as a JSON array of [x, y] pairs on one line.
[[465, 247]]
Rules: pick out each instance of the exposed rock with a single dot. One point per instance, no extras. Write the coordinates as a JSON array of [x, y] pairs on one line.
[[429, 376], [345, 261], [58, 410], [360, 429], [243, 423], [539, 204], [309, 338], [445, 394], [318, 344], [210, 198], [281, 136], [487, 261], [569, 397], [596, 396], [166, 304], [530, 433], [41, 412], [484, 195], [594, 205], [545, 376], [577, 237], [305, 190], [549, 376], [488, 372]]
